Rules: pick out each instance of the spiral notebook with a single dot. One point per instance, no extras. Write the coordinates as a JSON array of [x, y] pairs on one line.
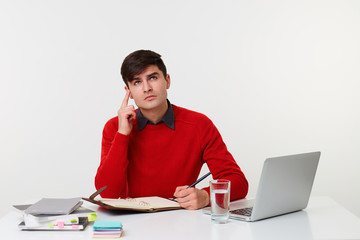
[[143, 204]]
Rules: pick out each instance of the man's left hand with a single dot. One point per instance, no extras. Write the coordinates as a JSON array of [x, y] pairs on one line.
[[191, 198]]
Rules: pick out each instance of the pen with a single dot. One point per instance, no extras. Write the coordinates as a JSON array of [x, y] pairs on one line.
[[197, 181]]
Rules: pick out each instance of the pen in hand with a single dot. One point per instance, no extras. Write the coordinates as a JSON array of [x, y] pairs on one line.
[[197, 181]]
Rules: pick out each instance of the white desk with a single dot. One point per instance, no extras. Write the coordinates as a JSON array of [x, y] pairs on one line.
[[322, 219]]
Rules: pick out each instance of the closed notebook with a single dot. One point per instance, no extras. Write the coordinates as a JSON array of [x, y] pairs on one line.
[[80, 226], [38, 219], [144, 204], [54, 206]]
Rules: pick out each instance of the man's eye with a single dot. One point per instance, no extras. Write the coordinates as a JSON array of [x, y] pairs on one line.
[[136, 82], [153, 78]]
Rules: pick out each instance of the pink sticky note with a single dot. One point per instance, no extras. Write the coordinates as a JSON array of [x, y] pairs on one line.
[[60, 224], [75, 226]]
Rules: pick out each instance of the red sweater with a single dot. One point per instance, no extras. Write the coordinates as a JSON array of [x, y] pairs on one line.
[[157, 159]]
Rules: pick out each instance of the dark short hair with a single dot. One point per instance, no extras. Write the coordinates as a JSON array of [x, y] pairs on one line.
[[136, 62]]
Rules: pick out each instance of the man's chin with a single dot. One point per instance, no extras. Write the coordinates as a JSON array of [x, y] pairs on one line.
[[148, 105]]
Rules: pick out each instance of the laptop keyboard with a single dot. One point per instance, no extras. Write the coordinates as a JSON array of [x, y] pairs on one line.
[[242, 211]]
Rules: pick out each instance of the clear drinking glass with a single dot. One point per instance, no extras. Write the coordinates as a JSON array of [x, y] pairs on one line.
[[220, 200]]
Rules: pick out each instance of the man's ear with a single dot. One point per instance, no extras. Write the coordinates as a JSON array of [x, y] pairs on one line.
[[167, 81], [126, 88]]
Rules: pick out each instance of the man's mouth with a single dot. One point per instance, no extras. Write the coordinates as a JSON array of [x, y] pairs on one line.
[[150, 97]]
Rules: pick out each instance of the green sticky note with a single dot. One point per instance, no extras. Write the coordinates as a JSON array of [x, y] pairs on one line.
[[51, 225], [92, 217], [107, 225], [73, 220]]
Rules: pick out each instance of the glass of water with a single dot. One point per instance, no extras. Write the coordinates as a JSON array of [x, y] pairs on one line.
[[220, 200]]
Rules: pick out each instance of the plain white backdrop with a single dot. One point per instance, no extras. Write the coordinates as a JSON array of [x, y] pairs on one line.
[[276, 78]]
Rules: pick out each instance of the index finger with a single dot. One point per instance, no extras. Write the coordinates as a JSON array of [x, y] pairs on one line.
[[125, 102]]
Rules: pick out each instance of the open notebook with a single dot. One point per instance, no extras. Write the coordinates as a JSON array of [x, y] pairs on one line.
[[143, 204]]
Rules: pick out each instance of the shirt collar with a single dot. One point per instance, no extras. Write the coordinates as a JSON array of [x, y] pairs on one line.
[[168, 118]]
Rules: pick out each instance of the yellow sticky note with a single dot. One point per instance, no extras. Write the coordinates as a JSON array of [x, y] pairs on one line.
[[92, 217]]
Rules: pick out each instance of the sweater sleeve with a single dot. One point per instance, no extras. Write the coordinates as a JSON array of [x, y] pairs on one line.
[[112, 171], [220, 161]]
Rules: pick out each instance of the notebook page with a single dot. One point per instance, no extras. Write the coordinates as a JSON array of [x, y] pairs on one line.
[[125, 203], [141, 203], [158, 202]]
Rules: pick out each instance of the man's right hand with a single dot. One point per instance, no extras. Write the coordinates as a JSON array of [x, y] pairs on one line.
[[125, 114]]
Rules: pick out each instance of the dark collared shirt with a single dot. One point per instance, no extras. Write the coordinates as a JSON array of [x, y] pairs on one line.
[[168, 118]]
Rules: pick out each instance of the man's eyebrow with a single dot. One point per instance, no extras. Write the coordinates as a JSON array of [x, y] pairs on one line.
[[152, 74], [149, 75]]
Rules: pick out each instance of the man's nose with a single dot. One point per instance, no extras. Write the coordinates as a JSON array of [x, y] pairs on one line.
[[146, 86]]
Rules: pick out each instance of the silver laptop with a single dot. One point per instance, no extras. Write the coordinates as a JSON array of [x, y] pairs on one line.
[[285, 186]]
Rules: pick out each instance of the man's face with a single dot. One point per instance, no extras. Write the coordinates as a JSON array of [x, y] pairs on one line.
[[149, 88]]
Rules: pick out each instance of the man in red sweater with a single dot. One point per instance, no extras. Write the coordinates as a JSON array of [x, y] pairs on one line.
[[159, 148]]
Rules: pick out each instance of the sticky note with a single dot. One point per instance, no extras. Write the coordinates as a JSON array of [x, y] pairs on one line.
[[92, 217], [60, 224], [107, 225]]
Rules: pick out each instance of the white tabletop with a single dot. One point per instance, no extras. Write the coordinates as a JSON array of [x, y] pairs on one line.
[[322, 219]]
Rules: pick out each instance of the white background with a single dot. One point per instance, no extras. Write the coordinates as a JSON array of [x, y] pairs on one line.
[[276, 78]]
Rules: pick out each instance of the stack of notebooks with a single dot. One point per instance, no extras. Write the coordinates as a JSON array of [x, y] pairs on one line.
[[107, 229], [50, 214]]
